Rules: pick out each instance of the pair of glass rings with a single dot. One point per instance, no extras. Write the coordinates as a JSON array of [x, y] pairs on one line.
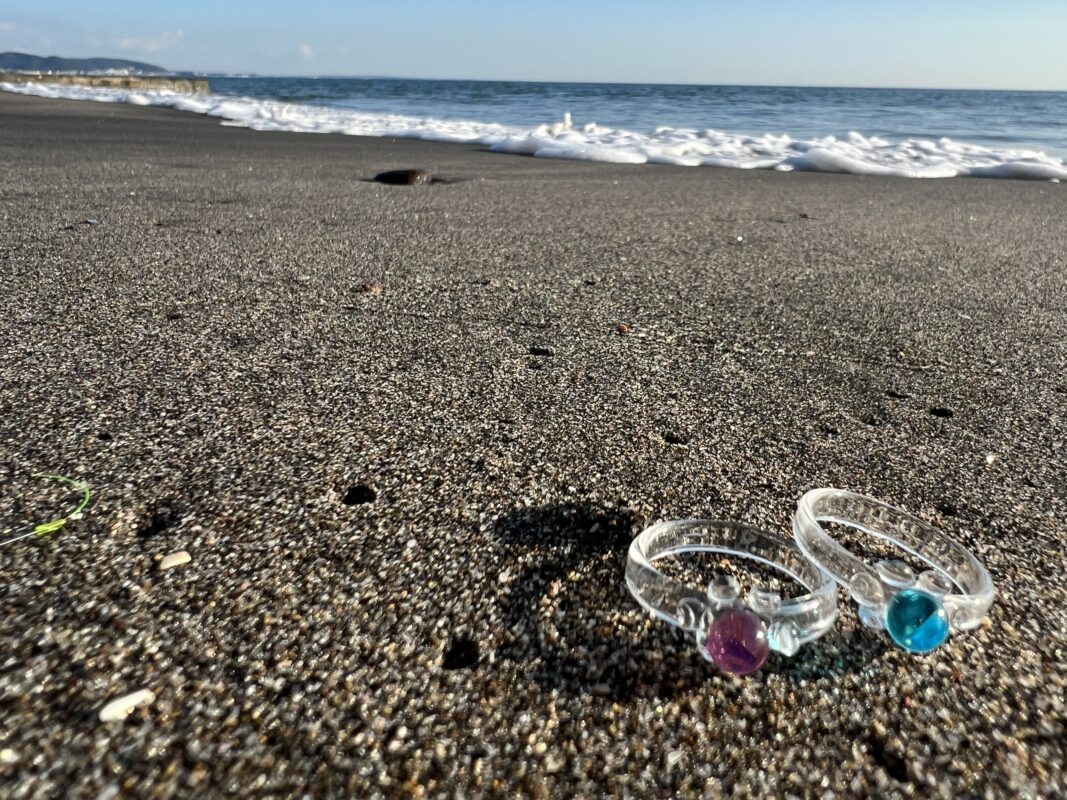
[[737, 633]]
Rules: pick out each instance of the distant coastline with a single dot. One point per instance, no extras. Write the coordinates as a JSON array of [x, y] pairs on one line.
[[26, 62]]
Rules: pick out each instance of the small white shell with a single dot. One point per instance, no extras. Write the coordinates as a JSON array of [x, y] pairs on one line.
[[175, 559], [121, 707]]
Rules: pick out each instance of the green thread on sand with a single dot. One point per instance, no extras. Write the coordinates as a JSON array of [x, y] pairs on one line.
[[45, 528]]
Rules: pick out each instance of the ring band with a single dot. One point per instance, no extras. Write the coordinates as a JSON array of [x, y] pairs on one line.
[[918, 612], [734, 634]]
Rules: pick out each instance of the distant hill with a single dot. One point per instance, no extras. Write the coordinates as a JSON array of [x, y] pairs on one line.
[[24, 62]]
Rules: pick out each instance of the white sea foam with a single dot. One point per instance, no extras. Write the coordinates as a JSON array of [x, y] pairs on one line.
[[856, 154]]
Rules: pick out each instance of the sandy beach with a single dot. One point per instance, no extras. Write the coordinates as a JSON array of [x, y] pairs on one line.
[[406, 443]]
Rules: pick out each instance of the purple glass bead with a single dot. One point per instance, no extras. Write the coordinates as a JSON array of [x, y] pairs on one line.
[[737, 642]]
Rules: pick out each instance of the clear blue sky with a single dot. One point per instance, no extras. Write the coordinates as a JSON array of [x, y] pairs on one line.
[[1011, 44]]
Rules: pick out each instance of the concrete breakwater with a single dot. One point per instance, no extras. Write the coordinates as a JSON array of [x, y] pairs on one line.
[[175, 84]]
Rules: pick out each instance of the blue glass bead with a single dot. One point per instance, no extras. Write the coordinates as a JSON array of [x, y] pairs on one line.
[[916, 620]]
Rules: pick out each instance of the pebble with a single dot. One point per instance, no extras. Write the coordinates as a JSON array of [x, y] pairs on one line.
[[175, 559], [121, 707]]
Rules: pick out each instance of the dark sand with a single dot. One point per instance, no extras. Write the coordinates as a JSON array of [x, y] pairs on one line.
[[205, 358]]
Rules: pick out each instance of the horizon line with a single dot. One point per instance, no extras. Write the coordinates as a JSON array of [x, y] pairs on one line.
[[371, 77]]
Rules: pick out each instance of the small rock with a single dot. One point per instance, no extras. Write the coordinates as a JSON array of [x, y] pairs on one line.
[[370, 288], [121, 707], [175, 559], [8, 756], [403, 177], [623, 329]]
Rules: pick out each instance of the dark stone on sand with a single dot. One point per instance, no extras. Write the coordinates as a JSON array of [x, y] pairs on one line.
[[403, 177]]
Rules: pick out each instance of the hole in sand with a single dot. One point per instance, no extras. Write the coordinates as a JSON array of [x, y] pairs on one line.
[[360, 494], [461, 654], [895, 766], [162, 517]]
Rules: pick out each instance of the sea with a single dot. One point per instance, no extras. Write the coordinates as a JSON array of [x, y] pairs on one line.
[[919, 133]]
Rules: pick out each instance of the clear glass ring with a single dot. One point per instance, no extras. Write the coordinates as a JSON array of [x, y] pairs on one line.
[[917, 611], [735, 632]]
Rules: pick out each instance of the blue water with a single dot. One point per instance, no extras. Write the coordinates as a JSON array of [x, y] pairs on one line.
[[1036, 120]]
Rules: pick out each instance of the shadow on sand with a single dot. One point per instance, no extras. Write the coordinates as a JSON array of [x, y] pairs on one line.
[[570, 617]]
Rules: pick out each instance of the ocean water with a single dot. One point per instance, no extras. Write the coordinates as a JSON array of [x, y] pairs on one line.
[[906, 132]]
